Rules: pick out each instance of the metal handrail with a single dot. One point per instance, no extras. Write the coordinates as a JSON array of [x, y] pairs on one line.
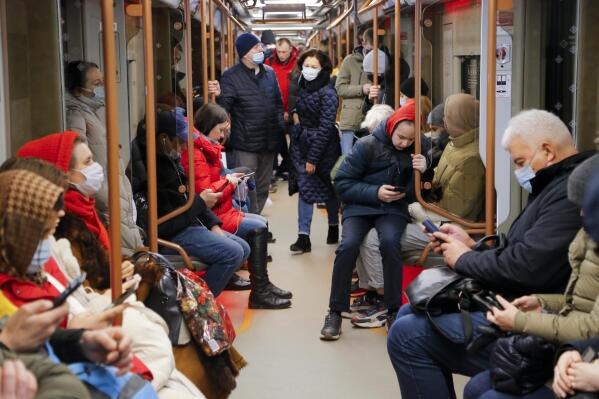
[[418, 144], [112, 134], [347, 35], [375, 49], [212, 51], [204, 51], [340, 18], [397, 72], [370, 6], [190, 148], [177, 248], [491, 83]]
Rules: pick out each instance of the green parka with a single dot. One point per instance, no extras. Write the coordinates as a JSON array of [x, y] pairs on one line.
[[350, 79]]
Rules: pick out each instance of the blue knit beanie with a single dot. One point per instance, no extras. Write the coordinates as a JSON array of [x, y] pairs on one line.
[[245, 42]]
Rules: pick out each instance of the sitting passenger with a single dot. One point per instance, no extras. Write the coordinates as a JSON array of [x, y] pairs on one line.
[[438, 134], [213, 122], [85, 116], [571, 316], [534, 258], [373, 182]]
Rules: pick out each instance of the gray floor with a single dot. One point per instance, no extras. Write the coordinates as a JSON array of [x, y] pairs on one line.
[[286, 357]]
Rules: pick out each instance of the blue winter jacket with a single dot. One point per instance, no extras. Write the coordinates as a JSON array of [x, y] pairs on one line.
[[374, 162], [256, 107]]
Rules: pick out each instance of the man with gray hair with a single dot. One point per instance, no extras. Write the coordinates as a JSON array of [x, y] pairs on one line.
[[532, 258]]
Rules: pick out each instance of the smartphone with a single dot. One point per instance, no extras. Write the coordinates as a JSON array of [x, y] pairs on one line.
[[221, 186], [248, 175], [399, 189], [589, 355], [72, 287], [430, 226], [126, 294]]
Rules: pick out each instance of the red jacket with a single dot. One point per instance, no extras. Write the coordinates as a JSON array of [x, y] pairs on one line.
[[283, 72], [207, 167], [19, 292]]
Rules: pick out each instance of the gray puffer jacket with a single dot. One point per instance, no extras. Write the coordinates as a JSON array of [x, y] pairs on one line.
[[86, 117]]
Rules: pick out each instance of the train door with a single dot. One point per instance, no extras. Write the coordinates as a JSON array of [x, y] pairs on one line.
[[32, 76], [3, 104]]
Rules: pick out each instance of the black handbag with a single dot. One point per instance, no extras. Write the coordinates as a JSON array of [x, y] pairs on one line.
[[440, 290], [164, 296], [521, 363]]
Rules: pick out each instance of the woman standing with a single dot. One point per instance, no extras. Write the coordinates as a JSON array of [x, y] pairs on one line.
[[314, 146]]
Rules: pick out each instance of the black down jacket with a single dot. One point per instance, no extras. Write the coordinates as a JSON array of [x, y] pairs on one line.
[[535, 255], [374, 161], [521, 363], [256, 107], [315, 139]]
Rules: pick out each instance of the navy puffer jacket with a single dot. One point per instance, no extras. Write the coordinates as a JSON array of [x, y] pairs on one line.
[[374, 161], [315, 139], [256, 108]]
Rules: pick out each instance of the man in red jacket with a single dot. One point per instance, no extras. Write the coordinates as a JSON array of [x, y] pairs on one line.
[[283, 62]]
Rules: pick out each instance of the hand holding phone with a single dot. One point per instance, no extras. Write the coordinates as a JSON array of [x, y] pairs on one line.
[[399, 189], [70, 289], [133, 285], [430, 226]]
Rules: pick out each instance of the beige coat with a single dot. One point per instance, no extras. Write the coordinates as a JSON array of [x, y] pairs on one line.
[[86, 118], [575, 314], [350, 79]]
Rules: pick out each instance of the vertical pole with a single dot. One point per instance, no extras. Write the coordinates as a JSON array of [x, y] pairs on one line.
[[348, 48], [212, 49], [339, 54], [491, 89], [112, 133], [204, 51], [375, 48], [223, 42], [417, 87], [189, 104], [396, 81]]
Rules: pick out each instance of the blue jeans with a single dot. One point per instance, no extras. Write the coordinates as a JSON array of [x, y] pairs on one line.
[[389, 228], [480, 387], [347, 141], [306, 210], [250, 222], [225, 254], [424, 360]]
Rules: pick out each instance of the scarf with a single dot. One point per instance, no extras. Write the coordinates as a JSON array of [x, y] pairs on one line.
[[84, 207]]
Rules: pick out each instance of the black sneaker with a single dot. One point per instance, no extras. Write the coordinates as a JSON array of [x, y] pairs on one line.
[[360, 304], [375, 317], [332, 326], [302, 244], [391, 317]]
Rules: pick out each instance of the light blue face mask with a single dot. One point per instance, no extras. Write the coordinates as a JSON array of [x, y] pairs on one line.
[[99, 93], [40, 257], [524, 175], [258, 58]]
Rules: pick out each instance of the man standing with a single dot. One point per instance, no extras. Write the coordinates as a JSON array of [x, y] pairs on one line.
[[283, 62], [250, 93], [353, 86]]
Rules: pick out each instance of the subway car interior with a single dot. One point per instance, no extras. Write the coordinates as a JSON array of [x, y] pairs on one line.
[[428, 167]]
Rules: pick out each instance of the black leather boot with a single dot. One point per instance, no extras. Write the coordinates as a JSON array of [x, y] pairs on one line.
[[302, 244], [333, 236], [264, 293]]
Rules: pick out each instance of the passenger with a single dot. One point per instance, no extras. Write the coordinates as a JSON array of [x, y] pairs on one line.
[[353, 87], [85, 116], [283, 61], [557, 318], [198, 230], [380, 91], [373, 182], [439, 136], [534, 258], [212, 120], [407, 91], [250, 94], [267, 38], [315, 147], [591, 208], [573, 375], [148, 331]]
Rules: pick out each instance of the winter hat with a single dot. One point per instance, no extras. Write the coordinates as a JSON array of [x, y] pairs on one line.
[[435, 117], [26, 204], [245, 42], [408, 89], [368, 63], [268, 37], [579, 179], [405, 113], [55, 148], [590, 206]]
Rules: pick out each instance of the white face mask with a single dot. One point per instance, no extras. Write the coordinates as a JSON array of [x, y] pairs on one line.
[[40, 257], [524, 175], [94, 178], [310, 73], [402, 101]]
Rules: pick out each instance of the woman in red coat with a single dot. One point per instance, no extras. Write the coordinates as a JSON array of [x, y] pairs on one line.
[[212, 123]]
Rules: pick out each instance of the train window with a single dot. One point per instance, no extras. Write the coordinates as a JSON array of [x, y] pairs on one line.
[[33, 70]]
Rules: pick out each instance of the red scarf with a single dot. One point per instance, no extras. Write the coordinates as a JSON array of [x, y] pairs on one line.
[[78, 204]]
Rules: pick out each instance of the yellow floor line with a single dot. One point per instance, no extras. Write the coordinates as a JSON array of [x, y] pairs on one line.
[[247, 321]]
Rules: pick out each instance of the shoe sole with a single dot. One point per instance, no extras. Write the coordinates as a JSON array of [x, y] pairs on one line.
[[370, 324], [300, 251], [268, 307], [324, 337], [372, 316]]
